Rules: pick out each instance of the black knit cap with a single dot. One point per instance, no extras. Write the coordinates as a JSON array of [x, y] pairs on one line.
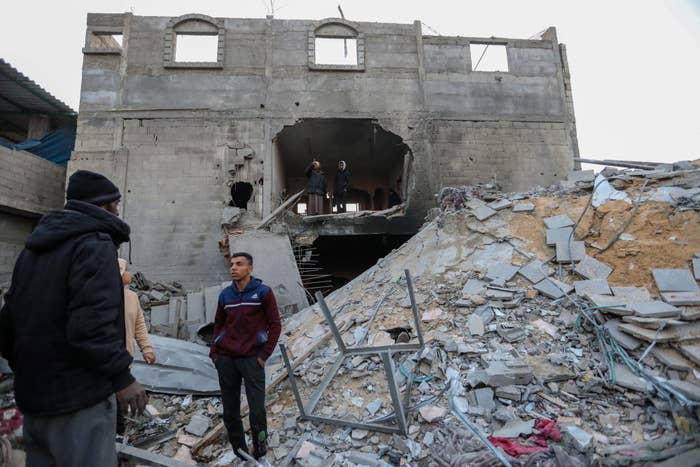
[[91, 187]]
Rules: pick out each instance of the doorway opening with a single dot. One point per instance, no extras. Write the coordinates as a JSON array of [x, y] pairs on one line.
[[378, 161]]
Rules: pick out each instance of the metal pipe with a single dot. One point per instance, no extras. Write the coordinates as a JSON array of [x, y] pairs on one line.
[[292, 379], [394, 391], [409, 283], [331, 322]]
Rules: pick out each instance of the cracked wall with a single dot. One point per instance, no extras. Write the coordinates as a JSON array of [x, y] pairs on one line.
[[169, 134]]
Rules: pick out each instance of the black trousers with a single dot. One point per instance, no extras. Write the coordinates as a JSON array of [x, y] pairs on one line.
[[232, 371], [339, 202]]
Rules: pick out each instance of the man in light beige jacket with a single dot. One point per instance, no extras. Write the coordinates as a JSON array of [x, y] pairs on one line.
[[136, 330]]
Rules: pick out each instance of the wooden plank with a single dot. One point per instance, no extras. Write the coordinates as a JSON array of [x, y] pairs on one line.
[[280, 209]]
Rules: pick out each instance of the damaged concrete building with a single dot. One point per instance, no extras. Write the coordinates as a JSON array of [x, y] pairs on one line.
[[407, 111]]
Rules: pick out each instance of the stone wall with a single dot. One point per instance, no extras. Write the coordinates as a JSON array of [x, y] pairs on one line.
[[14, 231]]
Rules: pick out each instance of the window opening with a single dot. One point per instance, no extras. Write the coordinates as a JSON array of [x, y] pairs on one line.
[[489, 57], [335, 51], [106, 41], [352, 207], [301, 208], [196, 48]]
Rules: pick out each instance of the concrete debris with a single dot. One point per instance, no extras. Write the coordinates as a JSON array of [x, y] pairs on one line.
[[523, 207], [484, 212], [535, 271], [591, 268], [675, 280], [558, 222], [570, 251], [515, 428], [553, 236], [594, 286]]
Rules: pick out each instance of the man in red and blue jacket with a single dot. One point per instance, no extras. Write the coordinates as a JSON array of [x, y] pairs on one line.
[[246, 329]]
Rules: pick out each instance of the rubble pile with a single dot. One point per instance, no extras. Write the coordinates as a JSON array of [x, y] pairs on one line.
[[561, 327]]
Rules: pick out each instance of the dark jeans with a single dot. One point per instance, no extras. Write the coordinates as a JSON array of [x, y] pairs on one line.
[[121, 421], [85, 438], [233, 370], [339, 202]]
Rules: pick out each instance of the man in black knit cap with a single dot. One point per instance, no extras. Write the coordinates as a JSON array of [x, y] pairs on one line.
[[62, 330]]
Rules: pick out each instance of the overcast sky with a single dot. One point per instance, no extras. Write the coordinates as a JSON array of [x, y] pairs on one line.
[[635, 64]]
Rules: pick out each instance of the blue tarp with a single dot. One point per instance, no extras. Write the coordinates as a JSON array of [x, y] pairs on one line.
[[55, 146]]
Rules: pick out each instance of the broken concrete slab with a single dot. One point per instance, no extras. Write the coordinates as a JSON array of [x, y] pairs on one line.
[[610, 304], [586, 176], [570, 251], [591, 268], [581, 438], [501, 272], [535, 271], [631, 294], [495, 294], [625, 340], [594, 286], [508, 373], [160, 315], [655, 309], [511, 334], [482, 398], [625, 378], [688, 389], [195, 307], [552, 236], [484, 212], [558, 222], [198, 426], [473, 287], [674, 280], [508, 392], [546, 372], [686, 459], [211, 302], [691, 350], [500, 204], [431, 413], [476, 325], [696, 268], [550, 288], [523, 207], [515, 428], [687, 332], [544, 326], [652, 323], [681, 298], [672, 358]]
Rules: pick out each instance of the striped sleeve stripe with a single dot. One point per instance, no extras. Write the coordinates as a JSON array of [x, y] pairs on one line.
[[243, 304]]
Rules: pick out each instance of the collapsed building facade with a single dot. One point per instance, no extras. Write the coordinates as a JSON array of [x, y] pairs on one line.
[[408, 112]]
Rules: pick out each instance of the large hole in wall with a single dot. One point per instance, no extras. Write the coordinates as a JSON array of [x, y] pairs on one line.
[[333, 261], [378, 161]]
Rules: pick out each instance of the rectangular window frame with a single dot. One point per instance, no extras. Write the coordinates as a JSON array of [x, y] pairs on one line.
[[489, 43], [103, 31]]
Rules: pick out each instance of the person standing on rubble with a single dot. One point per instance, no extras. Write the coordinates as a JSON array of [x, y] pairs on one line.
[[246, 329], [136, 330], [316, 188], [340, 186], [62, 330]]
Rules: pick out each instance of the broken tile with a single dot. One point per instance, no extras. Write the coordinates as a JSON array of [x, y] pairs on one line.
[[501, 272], [549, 288], [496, 294], [595, 286], [688, 458], [691, 350], [624, 339], [688, 389], [591, 268], [534, 271], [482, 398], [500, 373], [581, 438], [544, 326], [374, 406], [358, 434], [523, 207], [508, 392], [681, 298], [572, 251], [483, 213], [431, 413], [515, 428], [511, 334], [672, 358], [687, 332], [500, 204], [432, 315], [655, 309], [674, 280], [546, 372], [553, 236], [625, 378], [476, 325], [198, 426], [473, 287], [631, 294], [557, 222]]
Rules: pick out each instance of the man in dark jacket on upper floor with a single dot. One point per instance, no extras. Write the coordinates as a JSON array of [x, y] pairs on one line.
[[316, 188], [340, 186], [246, 329], [62, 330]]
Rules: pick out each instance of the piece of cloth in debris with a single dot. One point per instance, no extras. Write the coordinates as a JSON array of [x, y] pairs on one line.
[[546, 429]]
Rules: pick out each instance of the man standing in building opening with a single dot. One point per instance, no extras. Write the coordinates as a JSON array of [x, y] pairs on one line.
[[62, 330], [246, 329], [316, 188], [340, 186]]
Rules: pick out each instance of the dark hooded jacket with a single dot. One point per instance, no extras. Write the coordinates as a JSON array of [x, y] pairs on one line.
[[317, 181], [342, 180], [62, 326]]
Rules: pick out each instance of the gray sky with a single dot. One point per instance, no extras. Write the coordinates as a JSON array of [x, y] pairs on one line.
[[635, 64]]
